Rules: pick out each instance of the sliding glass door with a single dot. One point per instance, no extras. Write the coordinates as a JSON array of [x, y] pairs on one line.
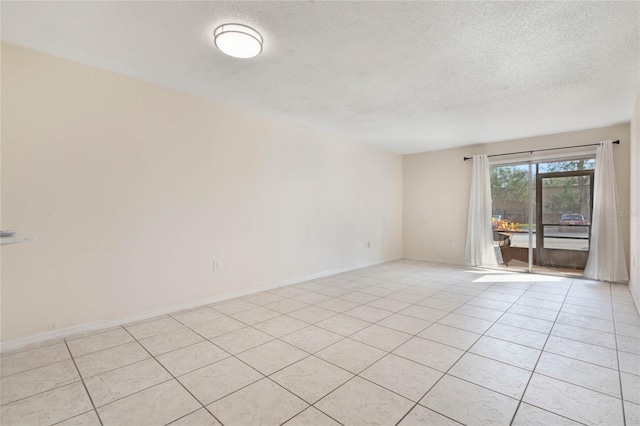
[[542, 214], [512, 219]]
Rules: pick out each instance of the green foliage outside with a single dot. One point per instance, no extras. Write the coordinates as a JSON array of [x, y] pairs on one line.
[[571, 194]]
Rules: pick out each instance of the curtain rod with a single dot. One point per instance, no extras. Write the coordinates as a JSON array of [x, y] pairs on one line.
[[531, 151]]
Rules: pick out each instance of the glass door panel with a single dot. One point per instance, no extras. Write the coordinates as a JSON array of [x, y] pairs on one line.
[[564, 201], [512, 221]]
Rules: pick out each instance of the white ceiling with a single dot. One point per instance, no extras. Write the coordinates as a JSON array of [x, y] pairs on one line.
[[405, 76]]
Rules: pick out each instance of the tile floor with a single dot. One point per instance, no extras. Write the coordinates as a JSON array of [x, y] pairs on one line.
[[403, 343]]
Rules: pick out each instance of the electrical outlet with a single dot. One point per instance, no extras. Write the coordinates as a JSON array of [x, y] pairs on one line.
[[452, 243], [216, 266]]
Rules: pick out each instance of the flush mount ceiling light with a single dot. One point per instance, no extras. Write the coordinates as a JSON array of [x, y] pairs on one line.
[[238, 40]]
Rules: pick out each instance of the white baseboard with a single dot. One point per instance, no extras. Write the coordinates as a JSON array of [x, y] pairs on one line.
[[12, 345]]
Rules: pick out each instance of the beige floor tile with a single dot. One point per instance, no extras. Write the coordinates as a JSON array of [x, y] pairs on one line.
[[383, 338], [421, 416], [312, 314], [312, 339], [90, 418], [405, 323], [263, 298], [424, 313], [389, 304], [580, 373], [187, 359], [630, 387], [468, 403], [31, 382], [215, 381], [358, 297], [453, 297], [534, 312], [233, 306], [272, 356], [628, 344], [528, 323], [575, 402], [241, 340], [26, 360], [586, 335], [582, 351], [285, 306], [312, 298], [351, 355], [533, 339], [167, 342], [632, 413], [281, 326], [605, 314], [160, 404], [312, 417], [479, 312], [152, 327], [540, 304], [255, 315], [629, 363], [337, 305], [451, 336], [97, 342], [343, 325], [117, 384], [368, 313], [500, 295], [217, 327], [490, 304], [105, 360], [377, 290], [200, 417], [360, 402], [429, 353], [491, 374], [262, 403], [311, 378], [586, 322], [507, 352], [467, 323], [443, 305], [195, 316], [48, 407], [529, 415], [407, 378], [629, 330]]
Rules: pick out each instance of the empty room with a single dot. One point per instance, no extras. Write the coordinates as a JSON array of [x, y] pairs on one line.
[[320, 213]]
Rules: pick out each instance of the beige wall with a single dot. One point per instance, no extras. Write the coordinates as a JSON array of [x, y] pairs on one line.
[[133, 190], [437, 186], [634, 281]]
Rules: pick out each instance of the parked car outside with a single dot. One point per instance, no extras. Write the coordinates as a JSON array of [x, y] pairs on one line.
[[572, 219]]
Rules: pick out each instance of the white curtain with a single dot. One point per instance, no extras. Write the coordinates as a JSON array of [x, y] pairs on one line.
[[606, 254], [480, 250]]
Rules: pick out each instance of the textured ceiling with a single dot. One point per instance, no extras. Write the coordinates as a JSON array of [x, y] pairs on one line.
[[405, 76]]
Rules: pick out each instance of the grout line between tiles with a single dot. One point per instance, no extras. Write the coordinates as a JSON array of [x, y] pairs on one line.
[[172, 378], [83, 384], [452, 365], [624, 416], [423, 283]]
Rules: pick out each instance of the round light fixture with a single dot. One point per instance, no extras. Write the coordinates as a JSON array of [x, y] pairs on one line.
[[238, 40]]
